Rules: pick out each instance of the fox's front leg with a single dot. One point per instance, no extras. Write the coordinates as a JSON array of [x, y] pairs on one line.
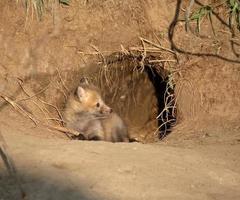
[[95, 132]]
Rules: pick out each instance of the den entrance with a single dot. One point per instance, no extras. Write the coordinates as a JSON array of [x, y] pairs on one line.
[[141, 93]]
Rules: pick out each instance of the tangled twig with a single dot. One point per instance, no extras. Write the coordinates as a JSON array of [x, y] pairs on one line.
[[68, 132], [20, 109]]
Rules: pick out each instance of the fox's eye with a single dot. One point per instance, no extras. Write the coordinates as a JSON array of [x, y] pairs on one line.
[[98, 104]]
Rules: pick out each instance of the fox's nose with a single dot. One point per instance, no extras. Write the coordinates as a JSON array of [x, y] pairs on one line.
[[106, 110]]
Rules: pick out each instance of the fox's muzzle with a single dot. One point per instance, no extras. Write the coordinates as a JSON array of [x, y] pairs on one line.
[[106, 110]]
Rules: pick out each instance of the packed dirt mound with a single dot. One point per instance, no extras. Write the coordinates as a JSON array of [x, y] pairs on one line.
[[54, 168]]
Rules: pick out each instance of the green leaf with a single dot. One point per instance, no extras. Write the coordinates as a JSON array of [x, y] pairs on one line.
[[232, 3], [65, 2]]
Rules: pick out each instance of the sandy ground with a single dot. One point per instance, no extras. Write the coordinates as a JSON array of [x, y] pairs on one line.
[[56, 168]]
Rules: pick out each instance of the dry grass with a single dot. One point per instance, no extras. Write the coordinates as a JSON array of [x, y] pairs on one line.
[[50, 121]]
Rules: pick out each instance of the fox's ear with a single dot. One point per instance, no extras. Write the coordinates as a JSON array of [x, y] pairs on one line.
[[81, 93], [84, 80]]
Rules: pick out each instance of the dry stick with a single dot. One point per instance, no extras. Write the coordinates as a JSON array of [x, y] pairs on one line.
[[148, 49], [65, 130], [36, 121], [100, 77], [116, 88], [168, 105], [20, 82], [10, 165], [175, 99], [157, 61], [166, 93], [94, 53], [107, 78], [42, 109], [19, 109], [59, 128], [53, 118], [104, 62], [165, 120], [158, 46], [159, 42], [31, 96], [55, 107], [124, 50], [166, 108], [34, 95], [104, 71], [144, 54], [163, 124]]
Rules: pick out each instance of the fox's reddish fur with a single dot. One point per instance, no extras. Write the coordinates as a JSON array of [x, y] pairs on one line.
[[87, 113]]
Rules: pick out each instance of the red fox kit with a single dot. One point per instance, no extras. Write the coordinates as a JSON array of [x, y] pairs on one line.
[[87, 113]]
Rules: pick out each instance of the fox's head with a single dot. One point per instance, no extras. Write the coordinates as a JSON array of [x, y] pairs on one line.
[[89, 100]]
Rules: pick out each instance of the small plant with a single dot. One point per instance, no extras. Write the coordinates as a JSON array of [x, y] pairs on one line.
[[207, 11], [200, 14], [234, 6]]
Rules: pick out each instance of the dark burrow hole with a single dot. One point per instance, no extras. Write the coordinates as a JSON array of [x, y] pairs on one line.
[[166, 106]]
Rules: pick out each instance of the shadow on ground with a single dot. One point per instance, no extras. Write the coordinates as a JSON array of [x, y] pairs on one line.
[[43, 188]]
